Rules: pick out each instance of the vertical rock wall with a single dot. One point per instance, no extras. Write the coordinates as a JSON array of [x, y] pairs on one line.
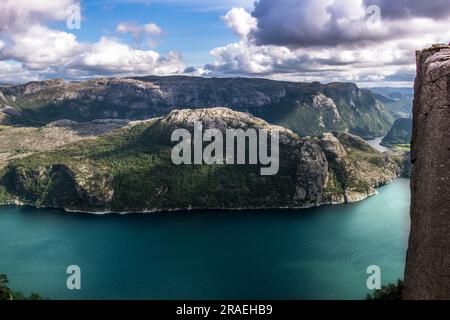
[[428, 260]]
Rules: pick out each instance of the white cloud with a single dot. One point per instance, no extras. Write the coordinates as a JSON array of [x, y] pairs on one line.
[[40, 47], [324, 43], [137, 31], [112, 57], [240, 21], [152, 29], [129, 27], [303, 40], [15, 72], [20, 14], [45, 50], [309, 23], [37, 51]]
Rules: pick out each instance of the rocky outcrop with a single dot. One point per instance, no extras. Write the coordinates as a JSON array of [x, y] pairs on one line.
[[57, 186], [130, 170], [332, 147], [428, 259], [305, 108]]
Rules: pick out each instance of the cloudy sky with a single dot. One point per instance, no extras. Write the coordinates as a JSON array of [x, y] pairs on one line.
[[370, 42]]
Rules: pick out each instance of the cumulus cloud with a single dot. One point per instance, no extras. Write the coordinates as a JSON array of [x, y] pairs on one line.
[[44, 49], [109, 56], [240, 21], [390, 61], [39, 47], [333, 22], [245, 58], [329, 40], [29, 49], [302, 40], [20, 14], [137, 31], [15, 71]]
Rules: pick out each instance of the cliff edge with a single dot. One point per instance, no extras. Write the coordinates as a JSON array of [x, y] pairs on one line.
[[428, 260]]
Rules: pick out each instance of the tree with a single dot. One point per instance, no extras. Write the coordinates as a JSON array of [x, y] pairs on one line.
[[5, 292], [389, 292]]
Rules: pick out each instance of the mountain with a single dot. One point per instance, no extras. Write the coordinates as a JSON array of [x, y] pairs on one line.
[[130, 170], [305, 108], [400, 133], [398, 101]]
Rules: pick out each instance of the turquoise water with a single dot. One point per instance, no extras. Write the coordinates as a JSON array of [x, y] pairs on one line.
[[319, 253]]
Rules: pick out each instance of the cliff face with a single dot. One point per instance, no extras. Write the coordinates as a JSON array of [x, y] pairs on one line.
[[428, 260], [305, 108], [130, 170]]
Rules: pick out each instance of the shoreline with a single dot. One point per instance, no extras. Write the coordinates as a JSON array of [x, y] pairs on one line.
[[194, 209]]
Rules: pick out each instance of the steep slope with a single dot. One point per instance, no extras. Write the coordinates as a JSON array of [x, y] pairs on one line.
[[130, 169], [400, 133], [398, 101], [307, 109], [427, 273]]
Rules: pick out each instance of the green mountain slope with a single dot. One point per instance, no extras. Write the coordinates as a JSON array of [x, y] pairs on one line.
[[130, 170]]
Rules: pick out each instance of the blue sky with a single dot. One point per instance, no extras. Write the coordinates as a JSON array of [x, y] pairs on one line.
[[189, 28], [370, 42]]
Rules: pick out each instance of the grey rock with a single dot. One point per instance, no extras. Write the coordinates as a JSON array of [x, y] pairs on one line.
[[427, 273]]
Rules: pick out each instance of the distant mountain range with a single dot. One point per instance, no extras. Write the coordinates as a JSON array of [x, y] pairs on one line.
[[306, 108], [398, 101]]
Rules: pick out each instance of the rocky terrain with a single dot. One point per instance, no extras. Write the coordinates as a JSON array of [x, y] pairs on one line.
[[130, 170], [18, 142], [427, 273], [305, 108]]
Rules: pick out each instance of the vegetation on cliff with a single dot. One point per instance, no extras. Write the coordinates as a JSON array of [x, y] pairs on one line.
[[389, 292], [130, 169]]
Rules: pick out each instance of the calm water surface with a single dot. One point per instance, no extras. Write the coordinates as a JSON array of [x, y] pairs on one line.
[[319, 253]]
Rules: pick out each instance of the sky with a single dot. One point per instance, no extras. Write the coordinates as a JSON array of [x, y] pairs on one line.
[[370, 42]]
